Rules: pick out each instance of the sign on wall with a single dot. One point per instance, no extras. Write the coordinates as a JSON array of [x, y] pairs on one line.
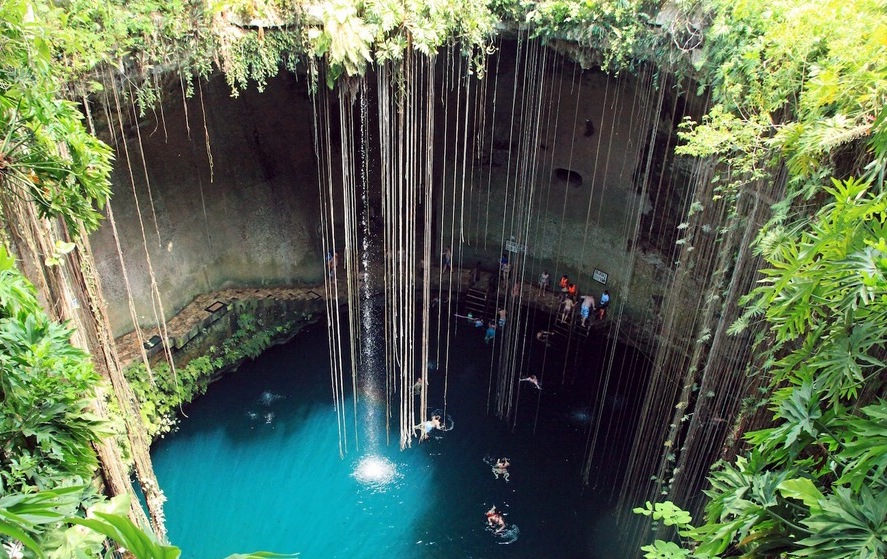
[[512, 246], [600, 276]]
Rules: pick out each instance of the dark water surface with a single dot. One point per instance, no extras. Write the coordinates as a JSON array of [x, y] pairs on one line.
[[255, 464]]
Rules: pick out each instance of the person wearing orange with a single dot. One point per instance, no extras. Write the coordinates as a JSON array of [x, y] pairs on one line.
[[564, 284], [572, 291]]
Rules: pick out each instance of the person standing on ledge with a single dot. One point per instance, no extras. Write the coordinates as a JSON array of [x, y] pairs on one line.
[[573, 291], [586, 308], [475, 275], [566, 310], [544, 282], [504, 268], [332, 262], [602, 306]]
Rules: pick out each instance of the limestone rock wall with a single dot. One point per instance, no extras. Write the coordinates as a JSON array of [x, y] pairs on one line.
[[242, 209], [246, 217]]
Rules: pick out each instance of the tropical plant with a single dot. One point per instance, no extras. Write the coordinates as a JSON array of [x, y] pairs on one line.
[[45, 151], [815, 483], [622, 34], [48, 526], [788, 84], [46, 384], [46, 438]]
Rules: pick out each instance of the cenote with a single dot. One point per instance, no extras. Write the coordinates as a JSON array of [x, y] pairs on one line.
[[255, 462]]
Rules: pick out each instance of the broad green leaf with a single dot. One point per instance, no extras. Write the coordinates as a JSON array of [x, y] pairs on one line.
[[802, 489]]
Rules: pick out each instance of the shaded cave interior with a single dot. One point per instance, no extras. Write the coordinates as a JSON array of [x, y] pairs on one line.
[[227, 196]]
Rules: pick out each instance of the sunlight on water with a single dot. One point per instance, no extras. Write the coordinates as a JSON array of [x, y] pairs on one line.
[[375, 472]]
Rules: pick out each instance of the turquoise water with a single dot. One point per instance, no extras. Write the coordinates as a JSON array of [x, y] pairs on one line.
[[255, 465]]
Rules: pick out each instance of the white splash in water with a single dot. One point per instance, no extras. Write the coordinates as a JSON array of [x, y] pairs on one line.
[[267, 398], [375, 471], [581, 415]]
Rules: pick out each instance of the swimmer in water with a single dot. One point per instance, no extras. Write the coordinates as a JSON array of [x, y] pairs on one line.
[[417, 388], [491, 332], [426, 426], [495, 520], [532, 380], [543, 336], [500, 468]]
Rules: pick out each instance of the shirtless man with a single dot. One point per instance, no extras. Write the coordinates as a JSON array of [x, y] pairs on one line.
[[495, 519], [566, 310], [532, 380], [500, 468], [426, 426]]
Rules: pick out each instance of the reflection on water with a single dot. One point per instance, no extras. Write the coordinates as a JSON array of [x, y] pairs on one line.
[[376, 472]]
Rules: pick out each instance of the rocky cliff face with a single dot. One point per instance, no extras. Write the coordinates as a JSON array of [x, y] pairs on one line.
[[228, 192], [226, 200]]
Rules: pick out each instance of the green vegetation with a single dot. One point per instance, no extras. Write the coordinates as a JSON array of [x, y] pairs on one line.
[[162, 395], [45, 152], [47, 463], [46, 426], [798, 86], [814, 485], [789, 84]]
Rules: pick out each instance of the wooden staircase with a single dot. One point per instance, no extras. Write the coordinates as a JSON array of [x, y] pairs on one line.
[[477, 300]]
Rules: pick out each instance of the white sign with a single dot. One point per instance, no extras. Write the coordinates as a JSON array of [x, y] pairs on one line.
[[512, 246], [600, 276]]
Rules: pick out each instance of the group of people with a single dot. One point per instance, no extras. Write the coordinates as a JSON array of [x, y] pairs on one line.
[[495, 517], [570, 298], [492, 325]]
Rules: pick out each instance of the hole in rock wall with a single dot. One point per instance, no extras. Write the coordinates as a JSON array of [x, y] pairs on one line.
[[568, 176]]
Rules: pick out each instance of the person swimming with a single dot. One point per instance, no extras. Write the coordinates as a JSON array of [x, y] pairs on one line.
[[500, 468], [495, 520], [544, 336], [426, 427], [532, 380]]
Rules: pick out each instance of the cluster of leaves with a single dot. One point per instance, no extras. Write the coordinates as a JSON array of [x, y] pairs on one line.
[[350, 34], [621, 33], [48, 507], [46, 429], [815, 484], [46, 386], [45, 151], [788, 83], [161, 394], [27, 519]]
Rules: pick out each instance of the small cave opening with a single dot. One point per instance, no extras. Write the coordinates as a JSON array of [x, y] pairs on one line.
[[568, 176]]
